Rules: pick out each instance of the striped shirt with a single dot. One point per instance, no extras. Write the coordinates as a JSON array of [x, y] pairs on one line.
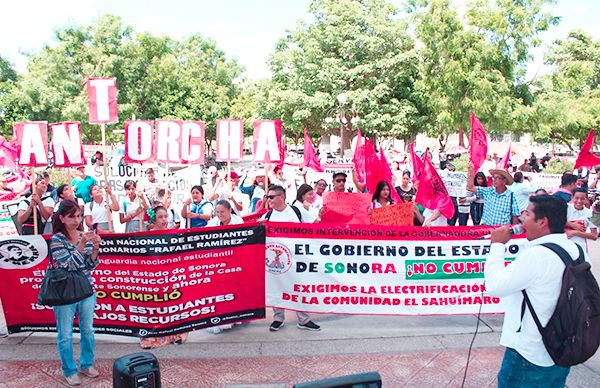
[[66, 255], [498, 209]]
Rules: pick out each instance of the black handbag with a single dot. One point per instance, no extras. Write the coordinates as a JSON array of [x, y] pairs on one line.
[[64, 286]]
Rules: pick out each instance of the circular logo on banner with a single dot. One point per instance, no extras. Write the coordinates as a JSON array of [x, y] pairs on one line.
[[215, 320], [278, 258], [23, 252], [143, 332]]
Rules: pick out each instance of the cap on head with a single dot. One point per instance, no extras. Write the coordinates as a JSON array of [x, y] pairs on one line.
[[339, 173]]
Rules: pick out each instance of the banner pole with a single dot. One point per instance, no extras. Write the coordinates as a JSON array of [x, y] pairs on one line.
[[229, 188], [106, 182], [141, 217], [189, 181], [35, 223]]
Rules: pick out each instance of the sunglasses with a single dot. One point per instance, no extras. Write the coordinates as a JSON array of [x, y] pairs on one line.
[[273, 196], [340, 180], [322, 184]]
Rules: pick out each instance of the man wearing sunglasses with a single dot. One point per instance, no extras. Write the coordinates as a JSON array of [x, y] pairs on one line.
[[282, 212], [339, 181]]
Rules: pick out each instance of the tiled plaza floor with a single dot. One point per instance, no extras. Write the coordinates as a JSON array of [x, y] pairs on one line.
[[439, 368]]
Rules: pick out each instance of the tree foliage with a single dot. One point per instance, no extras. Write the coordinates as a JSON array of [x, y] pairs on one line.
[[358, 49], [568, 99], [477, 63], [157, 77]]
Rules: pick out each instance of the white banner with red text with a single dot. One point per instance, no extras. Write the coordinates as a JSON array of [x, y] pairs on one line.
[[375, 270]]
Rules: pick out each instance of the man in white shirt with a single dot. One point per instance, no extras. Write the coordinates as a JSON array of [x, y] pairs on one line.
[[579, 227], [538, 271], [282, 212], [221, 191]]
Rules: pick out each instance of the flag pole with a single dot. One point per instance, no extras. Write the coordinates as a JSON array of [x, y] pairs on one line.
[[106, 182]]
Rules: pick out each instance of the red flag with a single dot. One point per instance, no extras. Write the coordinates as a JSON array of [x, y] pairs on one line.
[[359, 158], [417, 164], [503, 163], [8, 155], [388, 175], [432, 193], [586, 158], [310, 155], [479, 143], [374, 173]]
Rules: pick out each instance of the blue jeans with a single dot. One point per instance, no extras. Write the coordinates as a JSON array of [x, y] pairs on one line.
[[476, 212], [517, 372], [64, 325]]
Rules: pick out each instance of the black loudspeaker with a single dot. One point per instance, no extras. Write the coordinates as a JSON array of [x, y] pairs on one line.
[[138, 370], [362, 380]]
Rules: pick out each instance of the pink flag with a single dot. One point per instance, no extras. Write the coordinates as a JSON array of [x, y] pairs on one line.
[[504, 162], [359, 157], [310, 155], [374, 173], [417, 164], [388, 175], [8, 155], [432, 193], [479, 143], [586, 158]]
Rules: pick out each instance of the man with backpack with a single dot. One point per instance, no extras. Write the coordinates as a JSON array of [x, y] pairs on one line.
[[548, 281], [282, 212]]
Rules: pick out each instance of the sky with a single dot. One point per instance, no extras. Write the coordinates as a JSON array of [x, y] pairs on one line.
[[246, 30]]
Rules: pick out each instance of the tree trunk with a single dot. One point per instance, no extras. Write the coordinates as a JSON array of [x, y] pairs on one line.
[[461, 136], [346, 138]]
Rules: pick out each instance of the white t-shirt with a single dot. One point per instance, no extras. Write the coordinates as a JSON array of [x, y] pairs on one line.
[[46, 202], [174, 217], [308, 216], [440, 221], [235, 220], [129, 207], [97, 210], [287, 215], [224, 195], [581, 216]]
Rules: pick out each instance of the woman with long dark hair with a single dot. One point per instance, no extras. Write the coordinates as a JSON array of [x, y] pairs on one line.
[[305, 196], [382, 197], [477, 206], [199, 209], [406, 190], [72, 248]]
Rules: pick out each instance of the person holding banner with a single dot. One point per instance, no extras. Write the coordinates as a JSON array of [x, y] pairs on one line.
[[320, 188], [36, 205], [222, 191], [381, 197], [282, 212], [224, 215], [134, 206], [579, 227], [96, 211], [198, 209], [70, 247], [166, 200], [160, 219], [151, 186]]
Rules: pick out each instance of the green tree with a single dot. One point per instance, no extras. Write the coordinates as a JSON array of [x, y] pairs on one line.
[[477, 64], [8, 78], [568, 99], [356, 50], [157, 77]]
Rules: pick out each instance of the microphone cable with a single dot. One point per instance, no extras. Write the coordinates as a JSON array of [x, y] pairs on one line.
[[473, 339]]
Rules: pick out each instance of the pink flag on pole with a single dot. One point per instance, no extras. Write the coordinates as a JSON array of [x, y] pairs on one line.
[[359, 157], [586, 158], [374, 173], [417, 164], [432, 192], [310, 155], [504, 162], [388, 175], [479, 143]]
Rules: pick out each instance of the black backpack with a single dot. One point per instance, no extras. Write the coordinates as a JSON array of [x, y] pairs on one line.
[[572, 334], [294, 208]]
